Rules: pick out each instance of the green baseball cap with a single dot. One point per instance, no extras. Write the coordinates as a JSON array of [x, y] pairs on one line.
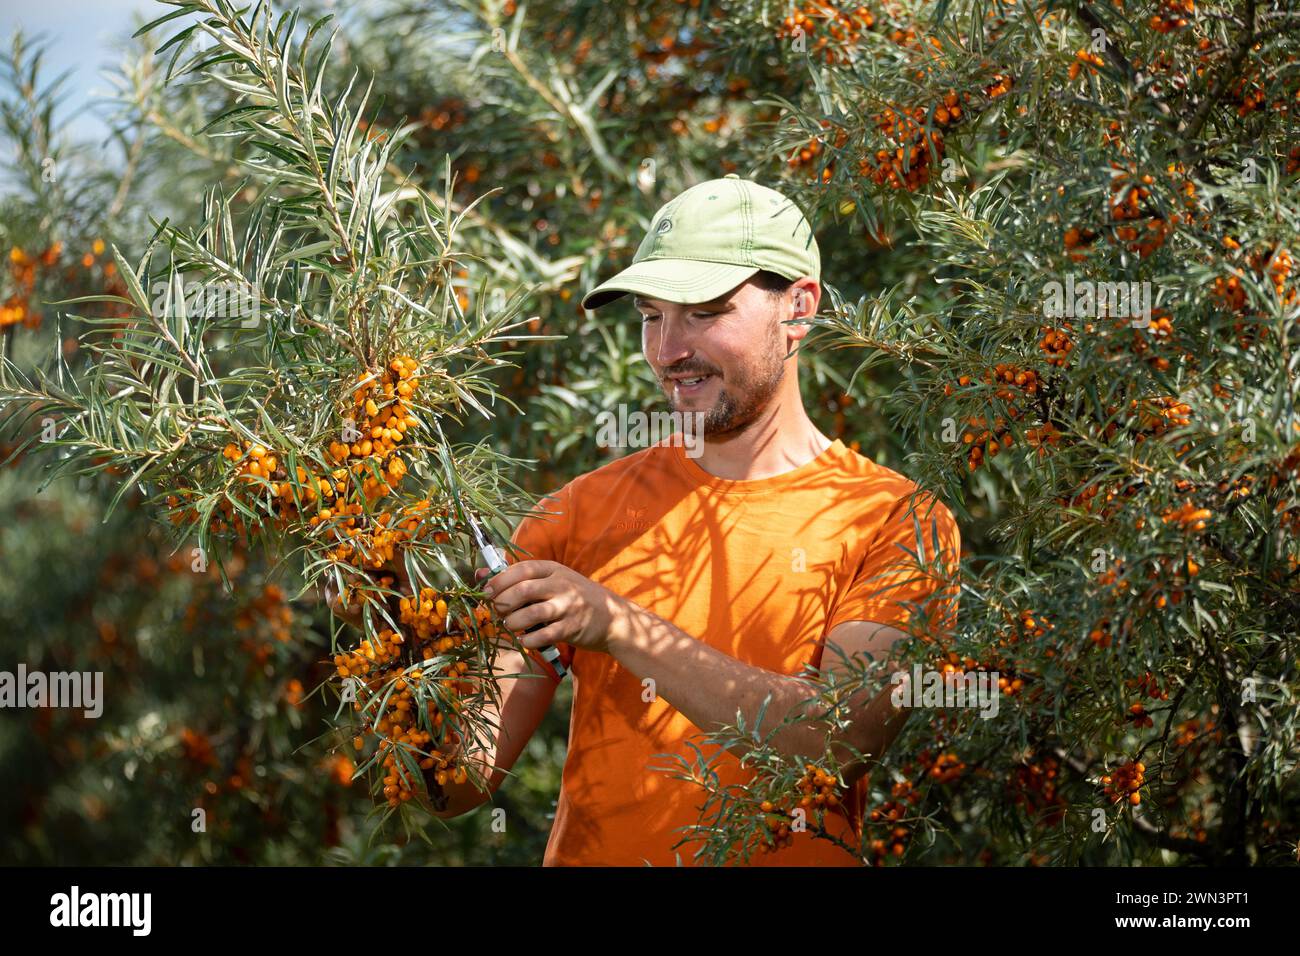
[[710, 239]]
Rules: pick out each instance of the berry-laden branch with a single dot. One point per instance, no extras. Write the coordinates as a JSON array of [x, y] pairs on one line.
[[285, 359]]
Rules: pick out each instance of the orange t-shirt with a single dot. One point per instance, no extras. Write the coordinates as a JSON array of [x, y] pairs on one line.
[[761, 570]]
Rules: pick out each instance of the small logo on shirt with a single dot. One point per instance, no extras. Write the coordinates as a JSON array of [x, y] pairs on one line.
[[634, 520]]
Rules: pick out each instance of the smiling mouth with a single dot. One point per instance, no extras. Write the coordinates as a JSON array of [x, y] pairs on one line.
[[693, 378]]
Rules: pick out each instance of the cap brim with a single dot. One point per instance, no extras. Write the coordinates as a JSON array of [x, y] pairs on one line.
[[684, 281]]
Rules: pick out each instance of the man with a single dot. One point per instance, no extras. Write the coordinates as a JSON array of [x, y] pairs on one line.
[[681, 589]]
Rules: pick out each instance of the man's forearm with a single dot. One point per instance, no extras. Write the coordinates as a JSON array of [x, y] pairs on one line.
[[708, 687]]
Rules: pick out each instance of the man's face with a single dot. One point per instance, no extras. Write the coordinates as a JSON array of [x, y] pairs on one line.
[[735, 345]]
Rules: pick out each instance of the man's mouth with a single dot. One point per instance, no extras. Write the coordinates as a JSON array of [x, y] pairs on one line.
[[690, 385]]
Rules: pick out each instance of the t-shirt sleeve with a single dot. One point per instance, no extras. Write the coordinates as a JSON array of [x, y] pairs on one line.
[[542, 534], [912, 559]]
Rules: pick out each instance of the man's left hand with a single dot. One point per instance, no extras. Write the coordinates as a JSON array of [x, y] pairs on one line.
[[573, 608]]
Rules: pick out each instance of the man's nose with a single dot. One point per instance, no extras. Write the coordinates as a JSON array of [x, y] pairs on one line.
[[674, 343]]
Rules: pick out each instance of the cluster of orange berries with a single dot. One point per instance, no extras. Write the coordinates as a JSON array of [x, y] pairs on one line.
[[1126, 207], [1276, 264], [987, 443], [1145, 686], [22, 271], [1042, 437], [1083, 58], [392, 660], [948, 112], [271, 610], [1075, 239], [819, 789], [23, 268], [399, 660], [1229, 292], [843, 28], [1158, 415], [905, 167], [953, 664], [1176, 570], [385, 425], [777, 821], [1056, 345], [1189, 730], [197, 748], [428, 617], [1137, 716], [945, 768], [1031, 625], [953, 667], [1035, 789], [806, 155], [895, 841], [1247, 94], [1113, 577], [1005, 374], [1240, 488], [1188, 516], [1284, 474], [255, 461], [1161, 328], [1124, 782], [1000, 86], [894, 845], [908, 165], [1100, 635], [1085, 498], [1270, 262], [1171, 16], [374, 447]]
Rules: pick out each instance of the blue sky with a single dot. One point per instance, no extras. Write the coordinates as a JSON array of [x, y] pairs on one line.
[[79, 36]]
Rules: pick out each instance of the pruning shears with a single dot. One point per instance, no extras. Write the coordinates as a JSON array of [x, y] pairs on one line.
[[495, 559]]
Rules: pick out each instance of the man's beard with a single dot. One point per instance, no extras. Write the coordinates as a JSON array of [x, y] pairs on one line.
[[738, 405]]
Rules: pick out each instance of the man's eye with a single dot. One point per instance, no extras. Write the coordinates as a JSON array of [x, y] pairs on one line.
[[647, 318]]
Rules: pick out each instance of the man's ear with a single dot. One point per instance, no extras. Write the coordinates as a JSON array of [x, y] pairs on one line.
[[805, 298]]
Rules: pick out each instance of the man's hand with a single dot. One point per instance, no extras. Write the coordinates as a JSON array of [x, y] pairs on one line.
[[573, 609]]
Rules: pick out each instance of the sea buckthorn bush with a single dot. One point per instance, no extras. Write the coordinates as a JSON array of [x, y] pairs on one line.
[[1136, 452], [294, 408]]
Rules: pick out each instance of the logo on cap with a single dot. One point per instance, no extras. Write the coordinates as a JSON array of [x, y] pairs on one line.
[[665, 225]]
